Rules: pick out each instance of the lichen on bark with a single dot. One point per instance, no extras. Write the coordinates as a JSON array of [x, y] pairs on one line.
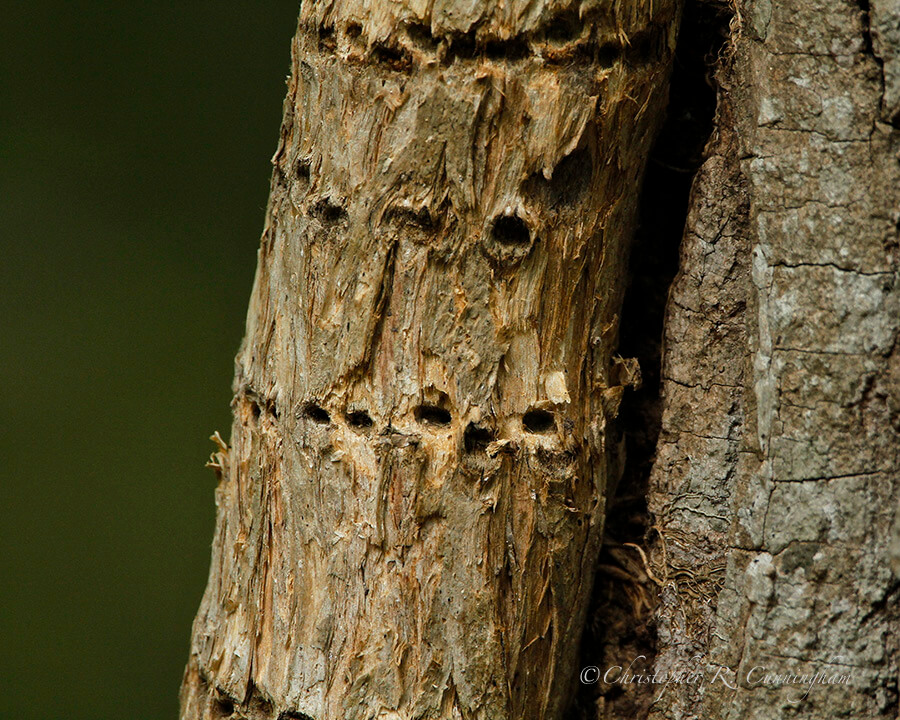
[[776, 478]]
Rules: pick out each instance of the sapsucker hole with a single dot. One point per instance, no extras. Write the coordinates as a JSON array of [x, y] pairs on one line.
[[421, 35], [294, 715], [264, 706], [608, 54], [326, 38], [394, 58], [477, 438], [317, 413], [572, 177], [433, 415], [353, 30], [359, 419], [303, 170], [329, 211], [460, 45], [538, 421], [563, 28], [511, 49], [642, 48], [510, 230], [223, 706], [401, 216]]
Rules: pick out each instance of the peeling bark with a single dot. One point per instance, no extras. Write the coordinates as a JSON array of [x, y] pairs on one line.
[[411, 509]]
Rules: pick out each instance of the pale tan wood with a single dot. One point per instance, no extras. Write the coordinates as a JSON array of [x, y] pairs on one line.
[[411, 508]]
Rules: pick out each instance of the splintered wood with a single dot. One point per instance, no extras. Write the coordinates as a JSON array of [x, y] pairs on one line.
[[411, 508]]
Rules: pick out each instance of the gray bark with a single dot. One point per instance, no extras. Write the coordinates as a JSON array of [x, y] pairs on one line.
[[775, 489], [411, 508]]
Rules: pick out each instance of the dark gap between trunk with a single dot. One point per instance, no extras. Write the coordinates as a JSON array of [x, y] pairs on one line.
[[619, 625]]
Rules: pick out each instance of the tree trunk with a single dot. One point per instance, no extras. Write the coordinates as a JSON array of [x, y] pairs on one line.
[[775, 488], [411, 509], [425, 446]]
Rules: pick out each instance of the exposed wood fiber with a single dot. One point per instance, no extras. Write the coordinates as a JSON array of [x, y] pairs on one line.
[[411, 507]]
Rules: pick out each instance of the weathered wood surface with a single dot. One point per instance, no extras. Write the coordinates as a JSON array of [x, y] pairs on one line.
[[413, 500]]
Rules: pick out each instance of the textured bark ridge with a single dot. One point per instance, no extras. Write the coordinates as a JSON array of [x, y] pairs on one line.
[[410, 511], [775, 488]]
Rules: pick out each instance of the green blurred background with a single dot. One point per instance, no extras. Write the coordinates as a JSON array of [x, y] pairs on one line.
[[135, 140]]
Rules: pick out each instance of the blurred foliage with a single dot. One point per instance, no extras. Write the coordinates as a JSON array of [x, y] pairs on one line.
[[134, 162]]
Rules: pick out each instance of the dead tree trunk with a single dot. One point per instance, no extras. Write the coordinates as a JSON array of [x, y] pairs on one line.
[[411, 508]]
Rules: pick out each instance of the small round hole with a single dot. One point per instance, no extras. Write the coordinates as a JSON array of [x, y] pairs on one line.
[[510, 230], [359, 419], [263, 706], [433, 415], [317, 413], [608, 54], [329, 210], [563, 28], [224, 707], [477, 438], [354, 30], [538, 421]]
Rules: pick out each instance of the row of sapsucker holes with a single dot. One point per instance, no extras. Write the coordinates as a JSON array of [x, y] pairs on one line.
[[506, 229], [570, 180], [225, 708], [566, 32], [536, 421]]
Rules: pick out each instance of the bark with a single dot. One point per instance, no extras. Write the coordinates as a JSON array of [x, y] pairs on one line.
[[411, 508], [775, 487]]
